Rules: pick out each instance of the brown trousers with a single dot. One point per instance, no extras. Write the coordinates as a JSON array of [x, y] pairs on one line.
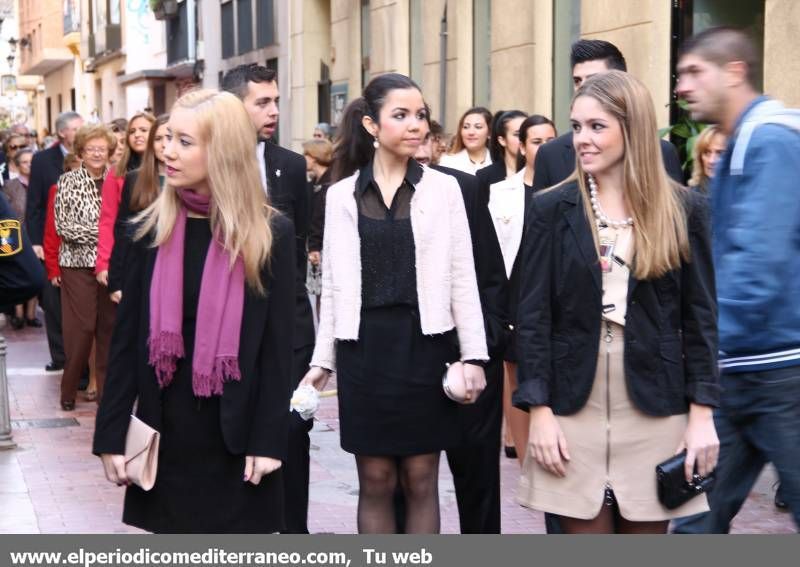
[[87, 317]]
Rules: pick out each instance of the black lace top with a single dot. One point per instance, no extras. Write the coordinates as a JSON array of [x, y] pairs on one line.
[[388, 267]]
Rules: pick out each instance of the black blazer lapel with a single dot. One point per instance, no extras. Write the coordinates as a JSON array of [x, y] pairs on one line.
[[583, 238], [272, 161]]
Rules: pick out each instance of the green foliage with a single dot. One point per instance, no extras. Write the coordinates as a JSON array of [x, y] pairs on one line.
[[155, 5], [684, 133]]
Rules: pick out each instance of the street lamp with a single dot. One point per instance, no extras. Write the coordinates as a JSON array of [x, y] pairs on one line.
[[12, 44], [10, 60]]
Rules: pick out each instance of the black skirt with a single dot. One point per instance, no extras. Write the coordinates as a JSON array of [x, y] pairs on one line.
[[391, 401], [200, 485]]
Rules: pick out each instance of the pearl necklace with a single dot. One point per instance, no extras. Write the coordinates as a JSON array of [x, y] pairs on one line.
[[598, 211]]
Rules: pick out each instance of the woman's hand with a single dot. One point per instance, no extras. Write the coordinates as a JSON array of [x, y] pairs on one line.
[[56, 281], [102, 277], [547, 442], [314, 258], [116, 297], [475, 380], [317, 377], [700, 441], [257, 467], [114, 466]]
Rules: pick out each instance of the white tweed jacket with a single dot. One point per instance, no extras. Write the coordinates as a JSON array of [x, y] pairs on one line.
[[447, 288]]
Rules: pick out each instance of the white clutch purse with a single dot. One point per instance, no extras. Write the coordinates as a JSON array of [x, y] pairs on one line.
[[141, 453], [455, 385]]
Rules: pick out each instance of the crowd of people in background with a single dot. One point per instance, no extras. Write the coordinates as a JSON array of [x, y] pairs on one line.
[[568, 281]]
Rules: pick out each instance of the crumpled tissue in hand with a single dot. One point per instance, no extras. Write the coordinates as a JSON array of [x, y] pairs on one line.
[[305, 401]]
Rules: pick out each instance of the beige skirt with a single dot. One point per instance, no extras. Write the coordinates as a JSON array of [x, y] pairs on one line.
[[611, 444]]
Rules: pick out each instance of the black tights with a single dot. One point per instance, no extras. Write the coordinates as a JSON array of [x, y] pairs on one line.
[[419, 479], [609, 521]]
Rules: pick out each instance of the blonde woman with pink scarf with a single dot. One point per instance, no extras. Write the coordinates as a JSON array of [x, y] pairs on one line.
[[202, 343]]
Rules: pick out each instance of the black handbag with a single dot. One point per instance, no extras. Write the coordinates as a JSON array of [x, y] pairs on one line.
[[673, 490]]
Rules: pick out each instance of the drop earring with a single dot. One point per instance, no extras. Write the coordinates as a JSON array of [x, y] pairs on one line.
[[376, 144]]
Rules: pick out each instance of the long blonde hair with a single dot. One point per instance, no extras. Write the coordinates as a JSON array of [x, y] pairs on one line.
[[654, 200], [238, 205], [700, 145]]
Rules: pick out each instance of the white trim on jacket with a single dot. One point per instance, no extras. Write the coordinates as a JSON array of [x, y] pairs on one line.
[[447, 288], [461, 162], [507, 207]]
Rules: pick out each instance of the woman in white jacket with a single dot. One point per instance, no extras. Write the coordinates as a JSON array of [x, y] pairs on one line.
[[399, 301], [507, 202]]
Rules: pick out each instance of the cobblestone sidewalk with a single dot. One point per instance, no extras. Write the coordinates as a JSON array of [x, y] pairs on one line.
[[52, 484]]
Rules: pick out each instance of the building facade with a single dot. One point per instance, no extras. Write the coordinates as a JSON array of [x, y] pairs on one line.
[[47, 49], [510, 53]]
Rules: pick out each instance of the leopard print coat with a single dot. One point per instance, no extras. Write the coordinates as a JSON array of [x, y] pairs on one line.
[[77, 212]]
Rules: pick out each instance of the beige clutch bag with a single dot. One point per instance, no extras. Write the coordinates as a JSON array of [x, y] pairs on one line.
[[454, 384], [141, 454]]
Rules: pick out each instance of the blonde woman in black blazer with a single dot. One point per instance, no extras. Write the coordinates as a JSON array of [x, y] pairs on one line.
[[617, 324]]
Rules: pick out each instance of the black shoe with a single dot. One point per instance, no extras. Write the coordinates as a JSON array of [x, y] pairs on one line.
[[68, 406], [17, 323], [54, 367], [33, 323], [511, 451], [84, 383], [780, 503]]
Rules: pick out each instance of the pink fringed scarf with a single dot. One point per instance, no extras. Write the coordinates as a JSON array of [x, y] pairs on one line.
[[219, 309]]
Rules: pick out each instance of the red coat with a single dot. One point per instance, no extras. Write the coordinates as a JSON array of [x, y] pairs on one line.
[[112, 193], [52, 241]]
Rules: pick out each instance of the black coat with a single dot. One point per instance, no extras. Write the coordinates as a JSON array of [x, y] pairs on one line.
[[489, 175], [123, 234], [316, 230], [46, 167], [555, 161], [255, 410], [288, 193], [21, 272], [670, 327], [489, 268]]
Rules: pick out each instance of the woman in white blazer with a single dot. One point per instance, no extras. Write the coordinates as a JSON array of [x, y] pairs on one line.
[[507, 202], [470, 149], [399, 301]]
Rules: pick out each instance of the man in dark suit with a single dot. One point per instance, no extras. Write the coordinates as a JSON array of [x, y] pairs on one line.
[[555, 161], [46, 167], [475, 464], [283, 174]]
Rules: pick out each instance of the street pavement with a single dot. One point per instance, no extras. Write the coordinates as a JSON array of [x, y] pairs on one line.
[[51, 483]]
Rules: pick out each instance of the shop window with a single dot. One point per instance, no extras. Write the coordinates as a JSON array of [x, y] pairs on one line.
[[244, 19], [416, 45], [482, 52], [566, 31], [693, 16], [228, 31], [366, 42], [265, 22]]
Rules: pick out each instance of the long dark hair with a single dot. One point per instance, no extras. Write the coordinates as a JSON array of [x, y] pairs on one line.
[[130, 160], [353, 148], [147, 185], [532, 120], [499, 126]]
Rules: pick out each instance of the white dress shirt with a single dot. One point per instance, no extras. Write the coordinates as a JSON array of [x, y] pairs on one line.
[[461, 162], [262, 163], [507, 207]]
